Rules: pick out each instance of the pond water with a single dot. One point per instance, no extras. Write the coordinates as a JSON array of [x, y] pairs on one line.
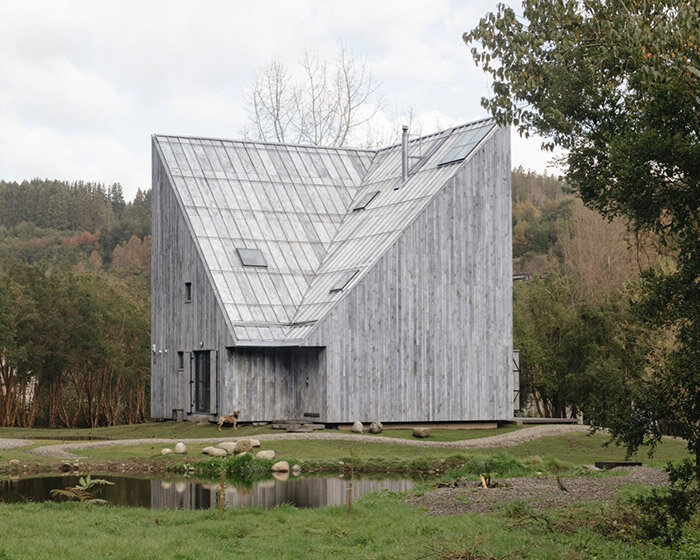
[[199, 494]]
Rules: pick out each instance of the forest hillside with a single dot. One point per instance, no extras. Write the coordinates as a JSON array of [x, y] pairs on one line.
[[75, 301]]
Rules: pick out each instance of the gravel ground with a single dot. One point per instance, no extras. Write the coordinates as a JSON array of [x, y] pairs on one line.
[[10, 443], [510, 439], [538, 493]]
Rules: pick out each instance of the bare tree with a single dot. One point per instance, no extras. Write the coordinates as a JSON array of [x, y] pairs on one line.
[[323, 106]]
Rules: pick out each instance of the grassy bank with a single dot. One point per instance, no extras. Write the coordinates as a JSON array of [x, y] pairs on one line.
[[324, 455], [381, 526]]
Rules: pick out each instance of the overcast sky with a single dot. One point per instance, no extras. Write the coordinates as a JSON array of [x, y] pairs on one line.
[[83, 84]]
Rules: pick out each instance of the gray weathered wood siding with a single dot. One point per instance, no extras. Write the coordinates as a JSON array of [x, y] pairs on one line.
[[275, 383], [424, 332], [178, 326], [426, 335]]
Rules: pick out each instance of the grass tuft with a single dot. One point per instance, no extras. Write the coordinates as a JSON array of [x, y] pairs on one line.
[[240, 468]]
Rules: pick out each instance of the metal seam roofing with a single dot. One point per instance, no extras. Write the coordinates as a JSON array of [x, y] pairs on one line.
[[295, 204]]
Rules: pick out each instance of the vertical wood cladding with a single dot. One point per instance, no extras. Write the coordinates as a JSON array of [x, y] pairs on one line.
[[179, 325], [426, 335]]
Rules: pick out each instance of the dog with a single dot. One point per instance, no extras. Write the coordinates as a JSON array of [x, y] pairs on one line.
[[230, 418]]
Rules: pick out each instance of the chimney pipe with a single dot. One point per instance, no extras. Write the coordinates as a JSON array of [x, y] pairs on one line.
[[404, 154]]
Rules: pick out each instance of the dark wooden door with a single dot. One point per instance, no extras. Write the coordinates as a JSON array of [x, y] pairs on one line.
[[202, 381]]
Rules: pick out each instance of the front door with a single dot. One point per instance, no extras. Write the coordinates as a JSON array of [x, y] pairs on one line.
[[202, 381]]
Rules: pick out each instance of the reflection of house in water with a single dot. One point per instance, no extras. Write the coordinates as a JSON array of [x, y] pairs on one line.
[[304, 492]]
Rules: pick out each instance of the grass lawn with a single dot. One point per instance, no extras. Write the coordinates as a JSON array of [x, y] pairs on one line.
[[168, 430], [381, 527], [572, 448]]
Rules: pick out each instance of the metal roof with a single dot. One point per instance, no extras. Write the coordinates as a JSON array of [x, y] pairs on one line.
[[295, 204]]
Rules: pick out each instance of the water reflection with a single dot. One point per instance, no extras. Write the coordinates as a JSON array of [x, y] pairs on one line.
[[191, 494]]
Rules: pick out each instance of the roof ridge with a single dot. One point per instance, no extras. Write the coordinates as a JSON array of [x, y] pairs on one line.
[[267, 143], [437, 132]]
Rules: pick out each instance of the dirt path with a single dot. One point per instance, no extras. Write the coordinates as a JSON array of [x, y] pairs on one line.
[[537, 493], [7, 443], [510, 439]]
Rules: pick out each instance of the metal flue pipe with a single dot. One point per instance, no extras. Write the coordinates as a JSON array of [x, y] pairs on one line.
[[404, 154]]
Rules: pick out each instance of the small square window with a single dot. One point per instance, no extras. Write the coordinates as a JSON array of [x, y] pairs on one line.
[[252, 257], [343, 280], [188, 292]]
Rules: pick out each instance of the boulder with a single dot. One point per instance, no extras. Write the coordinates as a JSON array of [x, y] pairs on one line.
[[281, 476], [376, 428], [14, 462], [243, 445], [296, 470], [180, 448], [357, 427], [228, 446], [214, 451], [265, 454], [254, 442], [166, 451], [422, 432], [280, 466]]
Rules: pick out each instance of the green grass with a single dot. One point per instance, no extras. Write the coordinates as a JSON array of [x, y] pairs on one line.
[[381, 527], [165, 430], [584, 449], [573, 449]]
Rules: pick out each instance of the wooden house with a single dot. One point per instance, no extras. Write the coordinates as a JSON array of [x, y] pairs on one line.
[[335, 283]]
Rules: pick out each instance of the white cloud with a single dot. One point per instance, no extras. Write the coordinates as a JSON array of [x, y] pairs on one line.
[[54, 92], [27, 152], [84, 84]]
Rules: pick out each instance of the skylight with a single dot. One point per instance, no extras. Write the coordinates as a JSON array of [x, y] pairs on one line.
[[343, 280], [252, 257], [465, 144], [365, 200]]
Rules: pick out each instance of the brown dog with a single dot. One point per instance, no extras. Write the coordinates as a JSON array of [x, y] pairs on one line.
[[230, 418]]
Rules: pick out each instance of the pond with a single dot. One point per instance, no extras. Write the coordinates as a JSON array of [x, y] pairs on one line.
[[199, 494]]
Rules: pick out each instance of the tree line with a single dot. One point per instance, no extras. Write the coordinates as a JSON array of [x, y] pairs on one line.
[[74, 304]]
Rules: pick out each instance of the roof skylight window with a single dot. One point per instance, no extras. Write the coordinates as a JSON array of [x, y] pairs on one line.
[[465, 144], [252, 257], [343, 280], [365, 200]]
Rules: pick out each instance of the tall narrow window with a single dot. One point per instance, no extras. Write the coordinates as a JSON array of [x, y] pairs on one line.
[[180, 360], [188, 292]]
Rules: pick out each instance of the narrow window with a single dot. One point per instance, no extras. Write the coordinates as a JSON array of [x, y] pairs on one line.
[[365, 200], [188, 292], [180, 360], [343, 280]]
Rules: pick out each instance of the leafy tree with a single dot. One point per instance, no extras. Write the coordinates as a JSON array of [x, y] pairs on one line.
[[570, 349], [616, 85]]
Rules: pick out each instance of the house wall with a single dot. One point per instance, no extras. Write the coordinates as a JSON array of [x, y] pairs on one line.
[[263, 383], [426, 335], [177, 326], [275, 383]]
